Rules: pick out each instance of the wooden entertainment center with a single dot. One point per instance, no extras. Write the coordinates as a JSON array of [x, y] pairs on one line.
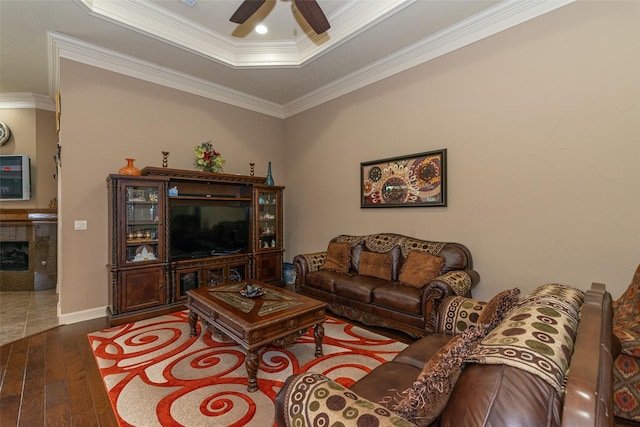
[[171, 231]]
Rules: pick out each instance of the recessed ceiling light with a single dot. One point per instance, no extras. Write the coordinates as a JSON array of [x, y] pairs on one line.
[[261, 29]]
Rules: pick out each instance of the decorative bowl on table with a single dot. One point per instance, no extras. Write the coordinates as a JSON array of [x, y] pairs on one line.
[[252, 291]]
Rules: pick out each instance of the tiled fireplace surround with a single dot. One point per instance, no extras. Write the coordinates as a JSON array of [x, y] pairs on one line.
[[37, 227]]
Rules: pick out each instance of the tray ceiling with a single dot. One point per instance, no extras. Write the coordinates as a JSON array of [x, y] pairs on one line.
[[197, 49]]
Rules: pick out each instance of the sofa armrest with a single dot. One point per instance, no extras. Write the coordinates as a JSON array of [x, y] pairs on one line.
[[461, 281], [313, 399], [458, 282], [306, 263]]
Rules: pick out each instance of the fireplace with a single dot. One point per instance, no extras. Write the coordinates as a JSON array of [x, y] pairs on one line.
[[14, 256], [28, 249]]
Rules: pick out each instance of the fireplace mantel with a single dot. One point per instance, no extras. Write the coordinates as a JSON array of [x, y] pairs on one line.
[[28, 215]]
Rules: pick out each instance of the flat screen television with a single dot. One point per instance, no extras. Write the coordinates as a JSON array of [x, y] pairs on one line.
[[200, 230], [15, 177]]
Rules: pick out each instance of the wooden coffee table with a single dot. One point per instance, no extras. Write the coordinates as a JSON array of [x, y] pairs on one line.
[[279, 317]]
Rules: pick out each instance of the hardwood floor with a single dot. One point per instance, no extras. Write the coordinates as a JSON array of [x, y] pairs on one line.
[[51, 379]]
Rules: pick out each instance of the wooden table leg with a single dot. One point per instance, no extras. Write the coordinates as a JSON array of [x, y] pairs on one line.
[[251, 363], [318, 334], [193, 321]]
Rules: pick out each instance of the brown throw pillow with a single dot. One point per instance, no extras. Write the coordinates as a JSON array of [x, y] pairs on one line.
[[375, 265], [420, 268], [338, 257], [493, 313], [426, 399]]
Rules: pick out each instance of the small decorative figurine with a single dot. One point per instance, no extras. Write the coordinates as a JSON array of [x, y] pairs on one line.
[[252, 168], [165, 160]]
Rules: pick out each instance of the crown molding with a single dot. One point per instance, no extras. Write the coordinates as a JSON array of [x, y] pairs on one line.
[[86, 53], [26, 100], [501, 17], [494, 20]]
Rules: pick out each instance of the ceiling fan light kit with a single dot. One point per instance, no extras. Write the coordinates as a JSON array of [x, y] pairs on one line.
[[309, 9]]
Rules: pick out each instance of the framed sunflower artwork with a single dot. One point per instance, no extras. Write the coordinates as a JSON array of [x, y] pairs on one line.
[[415, 180]]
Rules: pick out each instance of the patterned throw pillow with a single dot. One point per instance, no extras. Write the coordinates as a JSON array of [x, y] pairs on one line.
[[338, 257], [426, 399], [457, 313], [420, 268], [537, 336], [495, 310], [394, 252], [375, 265], [313, 399]]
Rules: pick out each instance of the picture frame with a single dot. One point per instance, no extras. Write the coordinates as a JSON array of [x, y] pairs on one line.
[[416, 180]]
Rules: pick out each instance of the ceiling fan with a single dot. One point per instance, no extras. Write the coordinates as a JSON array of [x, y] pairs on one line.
[[309, 9]]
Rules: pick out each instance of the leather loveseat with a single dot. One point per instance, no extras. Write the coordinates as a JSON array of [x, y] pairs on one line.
[[547, 362], [387, 279]]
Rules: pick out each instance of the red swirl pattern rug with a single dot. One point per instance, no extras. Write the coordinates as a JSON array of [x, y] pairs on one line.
[[157, 375]]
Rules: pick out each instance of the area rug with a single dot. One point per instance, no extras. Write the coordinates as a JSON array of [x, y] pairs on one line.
[[157, 375]]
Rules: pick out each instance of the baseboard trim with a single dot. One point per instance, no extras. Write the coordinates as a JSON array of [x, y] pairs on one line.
[[81, 316]]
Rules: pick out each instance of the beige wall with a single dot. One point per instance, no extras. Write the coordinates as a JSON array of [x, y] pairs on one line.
[[107, 117], [33, 132], [542, 127]]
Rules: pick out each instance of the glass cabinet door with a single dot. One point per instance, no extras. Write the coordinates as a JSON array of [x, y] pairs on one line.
[[215, 275], [186, 280], [143, 220], [238, 272], [268, 220]]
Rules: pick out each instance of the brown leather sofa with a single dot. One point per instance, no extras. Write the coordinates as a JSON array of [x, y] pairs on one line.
[[485, 394], [380, 302]]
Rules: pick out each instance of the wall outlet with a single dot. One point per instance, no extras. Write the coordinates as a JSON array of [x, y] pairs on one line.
[[81, 225]]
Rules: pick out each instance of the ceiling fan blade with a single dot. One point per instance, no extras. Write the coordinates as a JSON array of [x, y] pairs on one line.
[[313, 14], [246, 10]]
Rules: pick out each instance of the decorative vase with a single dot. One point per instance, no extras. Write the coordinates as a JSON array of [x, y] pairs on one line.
[[129, 169], [269, 180]]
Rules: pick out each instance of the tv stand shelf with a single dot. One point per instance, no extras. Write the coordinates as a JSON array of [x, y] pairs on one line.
[[145, 279], [211, 197]]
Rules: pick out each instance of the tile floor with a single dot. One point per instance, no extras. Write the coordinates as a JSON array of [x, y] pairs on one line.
[[26, 313]]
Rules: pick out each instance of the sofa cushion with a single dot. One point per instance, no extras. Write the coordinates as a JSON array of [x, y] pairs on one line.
[[498, 306], [375, 265], [357, 287], [338, 257], [420, 268], [425, 400], [396, 259], [397, 296], [356, 250], [323, 279], [494, 395], [419, 352], [454, 257], [385, 381]]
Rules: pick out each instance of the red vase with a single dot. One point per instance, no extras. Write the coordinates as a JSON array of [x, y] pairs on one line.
[[129, 169]]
